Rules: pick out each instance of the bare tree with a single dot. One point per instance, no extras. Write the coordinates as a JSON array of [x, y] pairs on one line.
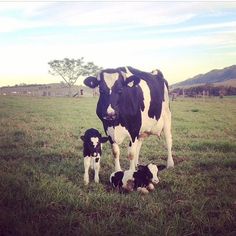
[[71, 69]]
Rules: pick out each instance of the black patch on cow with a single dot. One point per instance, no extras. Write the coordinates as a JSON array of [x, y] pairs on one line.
[[156, 86], [110, 139], [131, 105], [142, 177], [97, 159], [116, 180]]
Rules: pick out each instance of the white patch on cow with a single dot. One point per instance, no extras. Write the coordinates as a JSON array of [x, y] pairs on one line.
[[95, 141], [153, 169], [112, 175], [110, 110], [150, 125], [110, 79], [126, 74], [118, 134], [131, 84]]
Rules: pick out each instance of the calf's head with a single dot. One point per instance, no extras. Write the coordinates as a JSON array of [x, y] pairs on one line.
[[114, 85], [93, 140], [149, 172]]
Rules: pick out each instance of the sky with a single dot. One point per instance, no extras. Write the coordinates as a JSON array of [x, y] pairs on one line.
[[181, 38]]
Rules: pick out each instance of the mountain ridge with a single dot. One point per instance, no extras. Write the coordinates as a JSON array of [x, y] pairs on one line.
[[211, 77]]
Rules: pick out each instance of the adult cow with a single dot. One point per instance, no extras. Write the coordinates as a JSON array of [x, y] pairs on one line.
[[132, 104]]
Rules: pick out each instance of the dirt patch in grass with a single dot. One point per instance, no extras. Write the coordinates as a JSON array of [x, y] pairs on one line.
[[179, 159]]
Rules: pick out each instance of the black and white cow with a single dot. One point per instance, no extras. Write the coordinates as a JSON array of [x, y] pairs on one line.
[[133, 104], [92, 150], [141, 180]]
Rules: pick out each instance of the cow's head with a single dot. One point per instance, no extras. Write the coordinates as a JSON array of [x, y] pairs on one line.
[[113, 86]]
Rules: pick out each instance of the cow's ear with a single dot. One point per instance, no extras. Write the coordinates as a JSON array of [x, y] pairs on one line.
[[82, 137], [104, 139], [140, 167], [132, 81], [161, 167], [91, 82]]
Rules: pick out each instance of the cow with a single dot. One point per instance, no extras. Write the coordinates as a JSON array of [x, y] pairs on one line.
[[141, 180], [92, 150], [133, 104]]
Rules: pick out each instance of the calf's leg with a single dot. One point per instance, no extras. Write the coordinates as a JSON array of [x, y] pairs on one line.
[[86, 169], [139, 144], [96, 169]]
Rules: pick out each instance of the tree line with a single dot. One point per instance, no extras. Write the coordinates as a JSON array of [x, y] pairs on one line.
[[205, 90]]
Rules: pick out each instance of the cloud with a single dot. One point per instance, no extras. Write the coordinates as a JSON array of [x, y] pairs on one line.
[[20, 15], [215, 26]]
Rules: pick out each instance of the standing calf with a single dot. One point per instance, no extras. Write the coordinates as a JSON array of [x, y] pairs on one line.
[[141, 180], [92, 144]]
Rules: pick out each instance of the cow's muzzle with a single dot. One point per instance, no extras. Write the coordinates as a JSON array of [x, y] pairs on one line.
[[110, 117]]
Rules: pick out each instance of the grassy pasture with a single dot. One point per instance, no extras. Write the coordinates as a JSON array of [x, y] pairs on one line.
[[41, 172]]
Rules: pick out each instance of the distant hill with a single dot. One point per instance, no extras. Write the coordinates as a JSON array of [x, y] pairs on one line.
[[225, 77]]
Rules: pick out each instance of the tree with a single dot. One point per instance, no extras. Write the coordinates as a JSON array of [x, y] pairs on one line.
[[71, 69]]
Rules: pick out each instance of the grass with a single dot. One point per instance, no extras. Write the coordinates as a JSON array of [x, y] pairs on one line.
[[41, 172]]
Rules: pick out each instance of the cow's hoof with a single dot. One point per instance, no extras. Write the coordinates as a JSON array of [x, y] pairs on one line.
[[170, 164]]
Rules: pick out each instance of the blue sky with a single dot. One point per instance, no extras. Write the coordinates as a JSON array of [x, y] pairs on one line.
[[181, 38]]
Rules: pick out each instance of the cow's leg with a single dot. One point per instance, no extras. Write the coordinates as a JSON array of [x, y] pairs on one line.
[[96, 169], [139, 144], [132, 150], [116, 153], [168, 137], [86, 169]]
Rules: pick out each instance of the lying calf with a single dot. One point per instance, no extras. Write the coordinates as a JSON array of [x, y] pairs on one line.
[[141, 180], [92, 144]]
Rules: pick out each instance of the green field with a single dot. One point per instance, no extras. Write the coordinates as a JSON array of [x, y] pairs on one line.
[[41, 172]]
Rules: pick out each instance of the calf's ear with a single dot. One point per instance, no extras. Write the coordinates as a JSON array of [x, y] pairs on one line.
[[161, 167], [91, 82], [82, 137], [104, 139], [140, 167]]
